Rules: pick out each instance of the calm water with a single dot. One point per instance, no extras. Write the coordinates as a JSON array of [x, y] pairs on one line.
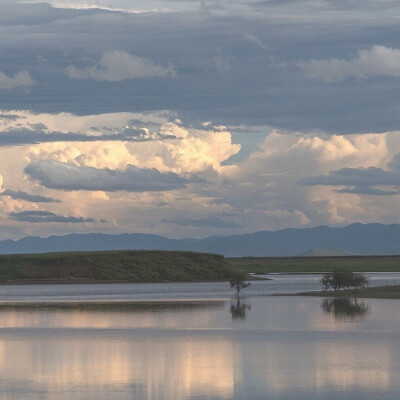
[[258, 348], [163, 291]]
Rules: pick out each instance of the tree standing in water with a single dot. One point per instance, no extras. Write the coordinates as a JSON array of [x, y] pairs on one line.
[[238, 281]]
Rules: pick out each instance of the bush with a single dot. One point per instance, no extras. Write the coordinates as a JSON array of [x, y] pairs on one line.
[[340, 278]]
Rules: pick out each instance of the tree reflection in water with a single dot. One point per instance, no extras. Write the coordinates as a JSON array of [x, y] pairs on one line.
[[239, 309], [345, 308]]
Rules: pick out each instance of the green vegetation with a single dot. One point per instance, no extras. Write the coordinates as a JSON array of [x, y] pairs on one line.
[[267, 265], [378, 292], [114, 266]]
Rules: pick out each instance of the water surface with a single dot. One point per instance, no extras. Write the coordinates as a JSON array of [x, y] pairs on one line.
[[256, 348]]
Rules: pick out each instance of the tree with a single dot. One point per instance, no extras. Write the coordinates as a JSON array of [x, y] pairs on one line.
[[359, 280], [238, 281], [326, 281], [340, 278]]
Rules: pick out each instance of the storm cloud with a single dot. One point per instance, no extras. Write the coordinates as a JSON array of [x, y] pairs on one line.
[[63, 176]]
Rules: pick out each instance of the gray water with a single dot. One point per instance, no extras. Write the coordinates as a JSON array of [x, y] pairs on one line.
[[161, 291], [257, 348]]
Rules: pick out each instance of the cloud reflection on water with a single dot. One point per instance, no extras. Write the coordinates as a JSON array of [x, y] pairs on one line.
[[197, 353]]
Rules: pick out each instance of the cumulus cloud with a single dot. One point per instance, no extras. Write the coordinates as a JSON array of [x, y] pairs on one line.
[[179, 149], [63, 176], [19, 80], [33, 198], [47, 217], [376, 61], [118, 65]]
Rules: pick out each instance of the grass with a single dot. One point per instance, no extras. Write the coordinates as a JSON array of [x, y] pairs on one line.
[[267, 265], [114, 266], [378, 292]]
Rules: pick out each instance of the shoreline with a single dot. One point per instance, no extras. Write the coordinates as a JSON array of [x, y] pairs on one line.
[[375, 292], [107, 282]]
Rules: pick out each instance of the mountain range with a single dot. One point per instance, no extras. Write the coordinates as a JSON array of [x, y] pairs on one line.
[[362, 239]]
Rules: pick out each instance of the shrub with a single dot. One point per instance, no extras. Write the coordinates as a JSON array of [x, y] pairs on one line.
[[340, 278]]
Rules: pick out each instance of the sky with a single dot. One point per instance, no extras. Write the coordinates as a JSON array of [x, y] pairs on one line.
[[193, 118]]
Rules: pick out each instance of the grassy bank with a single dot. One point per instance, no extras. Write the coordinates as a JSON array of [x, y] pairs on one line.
[[379, 292], [267, 265], [114, 266]]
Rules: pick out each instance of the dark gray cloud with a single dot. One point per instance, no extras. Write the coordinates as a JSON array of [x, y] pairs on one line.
[[19, 137], [368, 191], [366, 181], [33, 198], [371, 176], [212, 221], [47, 217], [63, 176], [261, 42]]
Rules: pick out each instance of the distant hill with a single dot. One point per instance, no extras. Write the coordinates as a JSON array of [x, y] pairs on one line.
[[331, 252], [369, 239]]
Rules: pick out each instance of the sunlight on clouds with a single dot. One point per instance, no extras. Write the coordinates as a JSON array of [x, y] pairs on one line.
[[263, 191], [192, 151]]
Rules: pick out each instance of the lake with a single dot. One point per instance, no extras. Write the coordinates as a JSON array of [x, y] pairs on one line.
[[194, 341]]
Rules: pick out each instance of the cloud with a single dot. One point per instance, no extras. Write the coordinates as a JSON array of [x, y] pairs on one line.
[[18, 137], [33, 198], [19, 80], [166, 146], [371, 176], [368, 191], [63, 176], [211, 221], [361, 180], [222, 64], [115, 66], [255, 40], [47, 217], [377, 61]]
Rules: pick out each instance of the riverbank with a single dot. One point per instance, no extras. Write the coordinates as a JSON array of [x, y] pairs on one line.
[[378, 292]]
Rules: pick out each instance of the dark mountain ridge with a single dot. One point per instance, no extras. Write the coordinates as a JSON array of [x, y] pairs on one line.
[[363, 239]]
